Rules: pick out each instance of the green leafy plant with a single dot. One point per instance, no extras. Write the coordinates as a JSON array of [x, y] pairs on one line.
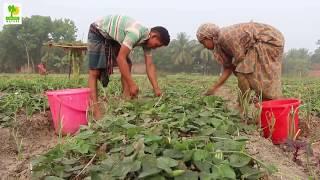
[[179, 135]]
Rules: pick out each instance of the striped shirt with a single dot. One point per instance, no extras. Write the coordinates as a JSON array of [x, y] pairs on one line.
[[124, 30]]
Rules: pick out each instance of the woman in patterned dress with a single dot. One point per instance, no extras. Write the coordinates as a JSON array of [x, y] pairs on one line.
[[251, 51]]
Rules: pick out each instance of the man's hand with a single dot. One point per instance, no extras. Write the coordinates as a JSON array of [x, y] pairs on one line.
[[210, 92], [151, 72], [125, 70], [157, 92], [134, 90]]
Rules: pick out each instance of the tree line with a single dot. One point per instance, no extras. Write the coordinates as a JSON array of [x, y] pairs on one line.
[[21, 49]]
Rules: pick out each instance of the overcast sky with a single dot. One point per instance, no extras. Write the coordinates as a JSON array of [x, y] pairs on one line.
[[299, 20]]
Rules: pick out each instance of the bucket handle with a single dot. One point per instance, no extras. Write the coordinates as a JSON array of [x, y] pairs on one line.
[[283, 111], [59, 100], [289, 107]]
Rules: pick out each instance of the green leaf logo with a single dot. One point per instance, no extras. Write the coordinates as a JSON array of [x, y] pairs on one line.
[[13, 14], [14, 10]]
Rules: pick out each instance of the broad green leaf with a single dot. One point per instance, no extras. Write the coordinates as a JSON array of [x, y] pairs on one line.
[[177, 108], [208, 176], [192, 127], [166, 163], [241, 138], [85, 134], [221, 134], [205, 114], [250, 173], [149, 166], [201, 122], [125, 114], [69, 161], [109, 163], [129, 126], [206, 131], [115, 150], [75, 168], [52, 178], [216, 123], [157, 177], [176, 173], [209, 147], [67, 175], [203, 166], [200, 155], [152, 138], [120, 170], [188, 155], [130, 118], [103, 176], [117, 138], [172, 153], [136, 166], [151, 149], [229, 145], [181, 145], [149, 172], [239, 160], [188, 175], [81, 147], [227, 171], [129, 150], [219, 116], [123, 168], [149, 161]]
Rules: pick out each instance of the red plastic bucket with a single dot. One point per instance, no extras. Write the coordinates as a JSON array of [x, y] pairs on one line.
[[276, 118], [69, 109]]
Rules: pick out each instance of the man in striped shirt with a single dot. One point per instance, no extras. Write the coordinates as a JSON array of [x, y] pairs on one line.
[[110, 41]]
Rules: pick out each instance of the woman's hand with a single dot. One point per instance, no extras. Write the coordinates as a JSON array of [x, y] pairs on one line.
[[225, 75]]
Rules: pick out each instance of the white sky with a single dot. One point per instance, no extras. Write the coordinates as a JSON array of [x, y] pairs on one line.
[[298, 20]]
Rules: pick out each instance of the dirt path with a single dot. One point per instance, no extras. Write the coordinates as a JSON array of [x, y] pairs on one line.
[[264, 150], [37, 137]]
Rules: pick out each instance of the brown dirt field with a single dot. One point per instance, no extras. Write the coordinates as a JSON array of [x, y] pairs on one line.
[[37, 137]]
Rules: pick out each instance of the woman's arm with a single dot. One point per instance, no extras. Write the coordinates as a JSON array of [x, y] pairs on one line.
[[222, 79]]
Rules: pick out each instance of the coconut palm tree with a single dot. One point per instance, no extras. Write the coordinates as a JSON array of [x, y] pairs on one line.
[[182, 49], [206, 56]]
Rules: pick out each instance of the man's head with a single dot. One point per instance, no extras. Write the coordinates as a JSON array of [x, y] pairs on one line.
[[158, 36]]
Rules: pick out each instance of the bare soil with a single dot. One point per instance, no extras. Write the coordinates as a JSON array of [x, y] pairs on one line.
[[37, 137]]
